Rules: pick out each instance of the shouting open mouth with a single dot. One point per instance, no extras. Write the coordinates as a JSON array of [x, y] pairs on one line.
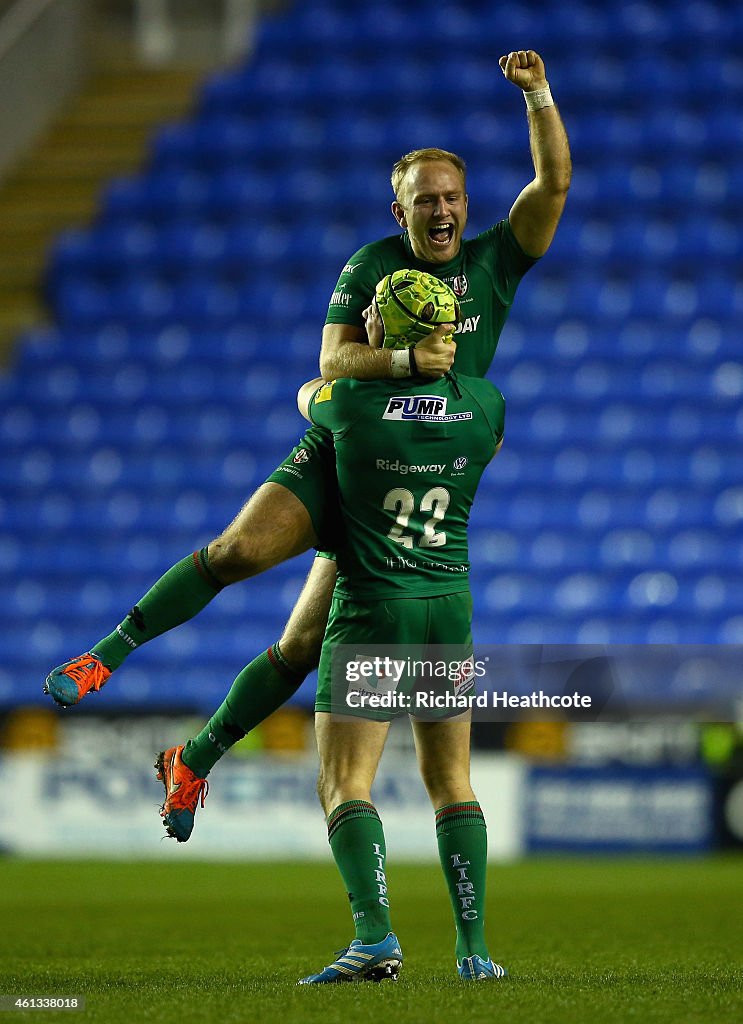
[[441, 234]]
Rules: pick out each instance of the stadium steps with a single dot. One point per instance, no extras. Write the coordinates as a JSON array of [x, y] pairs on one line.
[[103, 133]]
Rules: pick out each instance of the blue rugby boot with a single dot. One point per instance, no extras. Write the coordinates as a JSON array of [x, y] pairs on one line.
[[379, 961], [474, 968]]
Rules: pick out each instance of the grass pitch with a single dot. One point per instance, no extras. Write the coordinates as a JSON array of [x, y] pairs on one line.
[[585, 941]]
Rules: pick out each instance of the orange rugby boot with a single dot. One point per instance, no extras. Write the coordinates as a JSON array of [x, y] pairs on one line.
[[183, 790], [67, 684]]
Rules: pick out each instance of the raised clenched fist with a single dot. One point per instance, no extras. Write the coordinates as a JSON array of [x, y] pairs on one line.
[[525, 68]]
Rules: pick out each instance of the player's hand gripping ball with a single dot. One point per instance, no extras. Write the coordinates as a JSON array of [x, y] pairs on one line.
[[412, 304]]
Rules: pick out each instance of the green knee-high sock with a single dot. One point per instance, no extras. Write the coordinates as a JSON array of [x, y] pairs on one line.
[[356, 838], [262, 687], [463, 849], [177, 596]]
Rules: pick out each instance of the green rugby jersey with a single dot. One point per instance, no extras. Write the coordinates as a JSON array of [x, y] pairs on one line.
[[484, 275], [409, 455]]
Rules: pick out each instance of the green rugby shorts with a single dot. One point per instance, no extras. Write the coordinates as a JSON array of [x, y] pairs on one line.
[[421, 635], [309, 472]]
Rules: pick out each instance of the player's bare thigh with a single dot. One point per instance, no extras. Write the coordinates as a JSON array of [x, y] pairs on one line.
[[349, 749], [443, 750], [301, 641], [271, 527]]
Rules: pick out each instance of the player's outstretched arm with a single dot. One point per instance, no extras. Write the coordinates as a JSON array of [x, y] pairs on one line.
[[536, 213]]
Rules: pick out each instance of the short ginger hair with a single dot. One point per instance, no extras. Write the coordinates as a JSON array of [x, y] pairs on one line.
[[419, 156]]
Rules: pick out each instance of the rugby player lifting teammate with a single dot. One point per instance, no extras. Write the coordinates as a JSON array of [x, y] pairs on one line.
[[295, 509], [409, 455]]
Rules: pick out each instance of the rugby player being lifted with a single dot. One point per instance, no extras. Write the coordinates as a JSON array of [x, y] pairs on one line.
[[297, 507]]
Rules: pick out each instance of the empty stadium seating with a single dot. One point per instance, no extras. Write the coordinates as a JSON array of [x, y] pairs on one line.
[[186, 315]]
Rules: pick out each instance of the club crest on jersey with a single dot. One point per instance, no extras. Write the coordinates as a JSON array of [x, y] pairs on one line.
[[458, 285], [302, 456], [464, 678], [429, 408]]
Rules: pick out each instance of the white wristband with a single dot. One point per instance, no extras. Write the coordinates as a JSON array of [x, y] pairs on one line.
[[401, 363], [539, 98]]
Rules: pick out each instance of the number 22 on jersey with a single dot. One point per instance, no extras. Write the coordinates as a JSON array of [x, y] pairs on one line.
[[401, 502]]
